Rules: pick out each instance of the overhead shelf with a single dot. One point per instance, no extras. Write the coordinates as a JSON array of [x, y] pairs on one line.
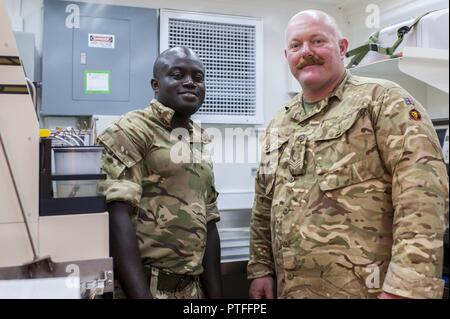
[[429, 66], [421, 71]]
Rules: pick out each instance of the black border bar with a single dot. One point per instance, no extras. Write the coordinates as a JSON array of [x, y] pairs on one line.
[[72, 205], [83, 177]]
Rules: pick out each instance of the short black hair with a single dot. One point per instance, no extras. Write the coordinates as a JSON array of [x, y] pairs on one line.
[[161, 60]]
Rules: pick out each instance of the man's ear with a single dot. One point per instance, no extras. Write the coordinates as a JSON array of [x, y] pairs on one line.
[[343, 47], [155, 85]]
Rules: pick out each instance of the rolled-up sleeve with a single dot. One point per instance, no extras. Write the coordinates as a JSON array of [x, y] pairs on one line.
[[122, 165]]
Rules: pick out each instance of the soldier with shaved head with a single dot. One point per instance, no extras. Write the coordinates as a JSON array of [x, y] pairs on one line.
[[351, 196], [163, 211]]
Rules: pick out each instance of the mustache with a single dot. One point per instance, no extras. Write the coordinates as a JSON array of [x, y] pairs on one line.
[[309, 60]]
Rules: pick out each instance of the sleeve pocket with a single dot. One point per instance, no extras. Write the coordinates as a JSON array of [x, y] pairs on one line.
[[119, 144]]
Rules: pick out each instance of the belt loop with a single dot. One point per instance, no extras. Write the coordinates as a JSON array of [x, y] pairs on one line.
[[154, 281]]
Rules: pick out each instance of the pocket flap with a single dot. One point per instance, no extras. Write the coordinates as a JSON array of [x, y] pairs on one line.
[[367, 169], [273, 142], [335, 128]]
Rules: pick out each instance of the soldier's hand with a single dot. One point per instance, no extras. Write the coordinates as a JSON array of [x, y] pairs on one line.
[[261, 288]]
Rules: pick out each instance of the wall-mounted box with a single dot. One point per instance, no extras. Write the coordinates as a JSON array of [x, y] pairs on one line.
[[97, 59]]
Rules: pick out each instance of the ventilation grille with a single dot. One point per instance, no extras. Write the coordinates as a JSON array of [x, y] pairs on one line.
[[229, 53]]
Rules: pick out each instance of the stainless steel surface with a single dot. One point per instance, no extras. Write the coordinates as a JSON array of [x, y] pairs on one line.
[[234, 219], [234, 244], [234, 235], [96, 276]]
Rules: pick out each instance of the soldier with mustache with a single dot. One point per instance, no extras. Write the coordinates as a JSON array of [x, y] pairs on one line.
[[351, 196]]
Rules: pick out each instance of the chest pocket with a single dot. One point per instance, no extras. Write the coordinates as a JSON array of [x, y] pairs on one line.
[[346, 152], [273, 148]]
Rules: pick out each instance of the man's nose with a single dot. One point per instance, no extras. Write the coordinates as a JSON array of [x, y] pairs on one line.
[[189, 82], [305, 50]]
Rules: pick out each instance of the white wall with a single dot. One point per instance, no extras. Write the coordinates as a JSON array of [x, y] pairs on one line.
[[437, 103]]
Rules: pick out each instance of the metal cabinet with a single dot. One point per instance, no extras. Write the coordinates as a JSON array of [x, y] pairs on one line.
[[97, 59]]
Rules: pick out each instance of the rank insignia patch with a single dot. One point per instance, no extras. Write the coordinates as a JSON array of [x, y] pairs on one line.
[[415, 115], [408, 101]]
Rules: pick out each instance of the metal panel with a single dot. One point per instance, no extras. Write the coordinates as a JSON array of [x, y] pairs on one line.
[[87, 230], [90, 271], [67, 56], [15, 245], [115, 61], [234, 235]]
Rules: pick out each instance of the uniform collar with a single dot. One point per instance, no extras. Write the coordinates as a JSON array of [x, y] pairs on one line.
[[165, 115], [299, 113]]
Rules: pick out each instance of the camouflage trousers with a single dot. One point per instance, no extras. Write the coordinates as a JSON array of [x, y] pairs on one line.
[[192, 291]]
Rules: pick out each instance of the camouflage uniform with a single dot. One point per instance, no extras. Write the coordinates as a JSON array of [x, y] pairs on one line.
[[352, 198], [173, 201]]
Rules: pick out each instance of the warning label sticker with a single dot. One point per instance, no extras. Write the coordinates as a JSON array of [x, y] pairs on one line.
[[104, 41]]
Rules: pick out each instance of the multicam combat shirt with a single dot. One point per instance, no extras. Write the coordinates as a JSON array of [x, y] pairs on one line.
[[352, 198], [167, 176]]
